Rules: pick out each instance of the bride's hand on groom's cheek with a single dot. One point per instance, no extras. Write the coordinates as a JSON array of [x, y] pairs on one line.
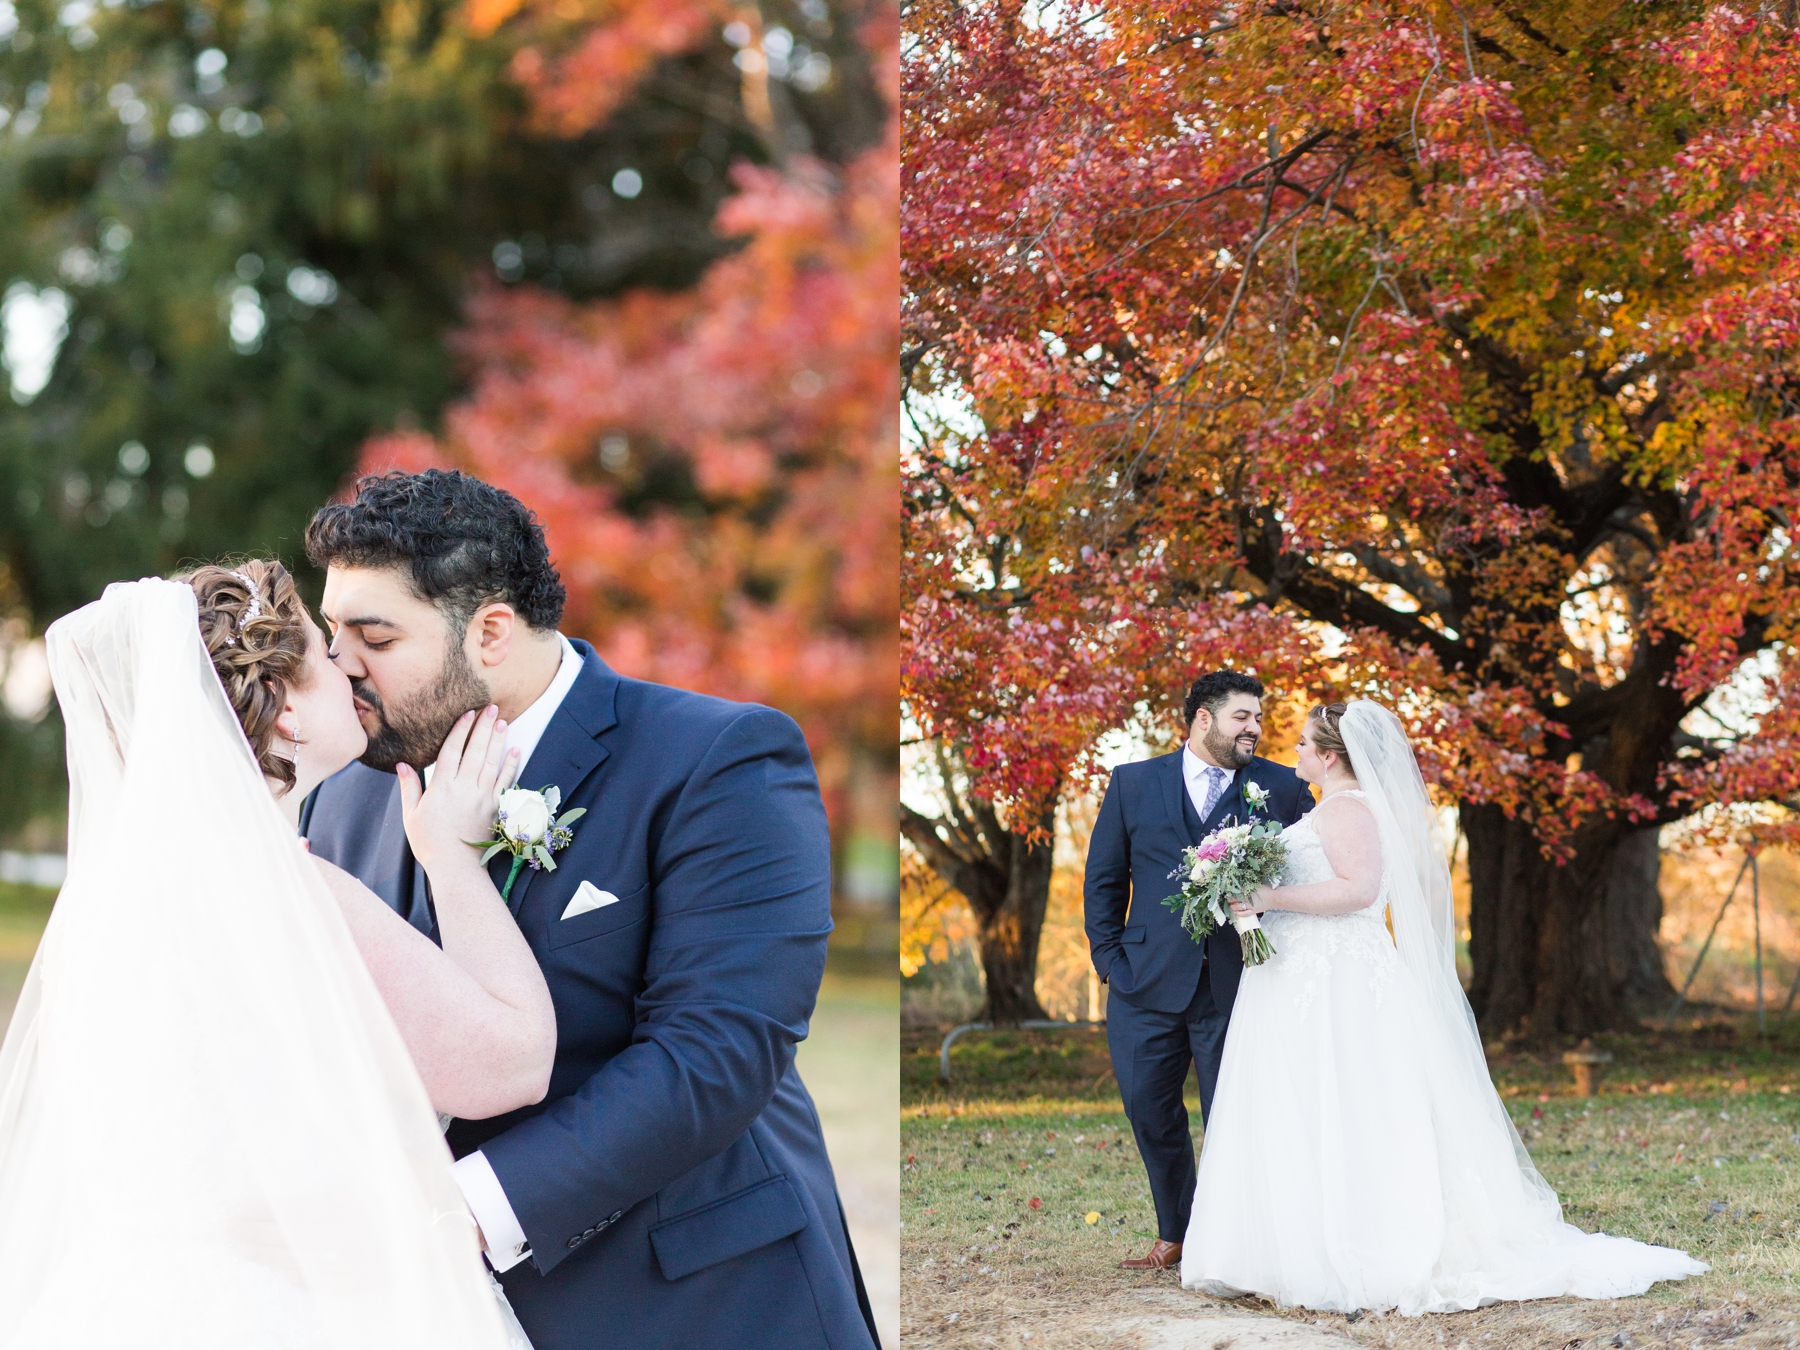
[[444, 820]]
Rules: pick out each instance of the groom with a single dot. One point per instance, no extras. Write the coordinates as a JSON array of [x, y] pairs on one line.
[[1168, 997], [672, 1190]]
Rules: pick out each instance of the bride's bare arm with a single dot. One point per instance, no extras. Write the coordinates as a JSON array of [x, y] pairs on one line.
[[478, 1054], [475, 1014], [1347, 830]]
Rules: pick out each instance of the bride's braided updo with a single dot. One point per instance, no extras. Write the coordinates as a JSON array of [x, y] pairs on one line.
[[1327, 739], [254, 625]]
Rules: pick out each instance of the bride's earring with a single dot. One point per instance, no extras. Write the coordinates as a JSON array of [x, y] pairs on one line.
[[296, 740]]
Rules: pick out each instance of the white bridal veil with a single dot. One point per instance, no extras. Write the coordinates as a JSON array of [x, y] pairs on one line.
[[211, 1135], [1417, 880], [1504, 1234]]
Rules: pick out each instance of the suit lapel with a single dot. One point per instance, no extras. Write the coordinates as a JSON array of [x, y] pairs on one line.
[[568, 752], [405, 891], [1175, 797]]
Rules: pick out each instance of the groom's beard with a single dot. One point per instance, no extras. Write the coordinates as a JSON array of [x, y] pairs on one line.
[[1221, 744], [413, 730]]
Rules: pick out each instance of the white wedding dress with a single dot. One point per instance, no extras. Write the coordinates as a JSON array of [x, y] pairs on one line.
[[1357, 1155], [211, 1134]]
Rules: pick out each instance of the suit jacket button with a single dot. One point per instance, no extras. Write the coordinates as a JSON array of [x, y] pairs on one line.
[[574, 1242], [616, 1216]]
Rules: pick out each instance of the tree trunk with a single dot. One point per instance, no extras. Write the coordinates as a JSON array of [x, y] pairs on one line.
[[1009, 932], [1572, 947], [1507, 884], [1578, 990], [1006, 880], [1634, 914], [1568, 948]]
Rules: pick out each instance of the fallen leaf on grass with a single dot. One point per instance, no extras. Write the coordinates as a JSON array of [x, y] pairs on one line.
[[1093, 1216], [1035, 1203]]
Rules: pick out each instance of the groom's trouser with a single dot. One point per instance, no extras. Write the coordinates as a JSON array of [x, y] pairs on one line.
[[1151, 1052]]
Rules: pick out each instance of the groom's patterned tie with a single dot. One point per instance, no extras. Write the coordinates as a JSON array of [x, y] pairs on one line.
[[1216, 779]]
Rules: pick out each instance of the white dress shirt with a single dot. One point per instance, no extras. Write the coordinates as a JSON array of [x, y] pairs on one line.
[[1195, 772], [486, 1198]]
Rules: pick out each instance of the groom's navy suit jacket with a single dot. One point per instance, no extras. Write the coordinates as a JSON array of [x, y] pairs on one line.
[[674, 1184], [1146, 820]]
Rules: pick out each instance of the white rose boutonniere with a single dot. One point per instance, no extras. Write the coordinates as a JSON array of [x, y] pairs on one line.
[[524, 816], [527, 826], [1257, 795]]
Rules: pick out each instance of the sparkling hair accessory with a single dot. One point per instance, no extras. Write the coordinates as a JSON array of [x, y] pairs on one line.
[[253, 613]]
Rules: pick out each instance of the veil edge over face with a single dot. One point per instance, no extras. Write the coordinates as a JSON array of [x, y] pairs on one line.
[[211, 1133]]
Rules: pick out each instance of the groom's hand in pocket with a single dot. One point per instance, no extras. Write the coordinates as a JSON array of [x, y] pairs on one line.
[[457, 810]]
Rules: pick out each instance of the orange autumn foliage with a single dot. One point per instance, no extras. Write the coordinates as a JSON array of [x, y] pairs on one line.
[[1445, 354], [715, 469]]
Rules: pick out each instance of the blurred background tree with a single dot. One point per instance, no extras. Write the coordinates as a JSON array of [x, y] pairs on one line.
[[243, 239], [717, 467]]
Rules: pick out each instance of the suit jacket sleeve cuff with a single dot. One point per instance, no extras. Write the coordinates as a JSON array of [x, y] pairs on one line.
[[492, 1210]]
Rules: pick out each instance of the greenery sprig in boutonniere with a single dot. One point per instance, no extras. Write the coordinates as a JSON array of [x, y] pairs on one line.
[[527, 826]]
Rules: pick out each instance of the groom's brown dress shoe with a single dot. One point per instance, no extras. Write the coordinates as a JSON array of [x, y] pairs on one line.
[[1162, 1256]]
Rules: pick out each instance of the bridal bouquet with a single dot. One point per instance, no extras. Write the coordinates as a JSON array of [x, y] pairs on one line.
[[1231, 861]]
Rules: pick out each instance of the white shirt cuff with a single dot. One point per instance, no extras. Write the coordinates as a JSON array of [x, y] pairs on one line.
[[506, 1244]]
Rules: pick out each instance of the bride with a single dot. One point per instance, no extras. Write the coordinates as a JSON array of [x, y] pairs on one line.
[[1357, 1155], [217, 1090]]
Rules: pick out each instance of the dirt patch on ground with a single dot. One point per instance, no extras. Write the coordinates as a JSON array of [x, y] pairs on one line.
[[1020, 1318], [1181, 1321], [1021, 1189], [1162, 1316]]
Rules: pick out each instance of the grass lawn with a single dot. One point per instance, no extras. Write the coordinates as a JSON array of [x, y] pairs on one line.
[[24, 910], [849, 1064], [1021, 1189]]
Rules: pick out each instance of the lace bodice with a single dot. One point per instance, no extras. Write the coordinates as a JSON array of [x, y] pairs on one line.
[[1309, 943], [1306, 860]]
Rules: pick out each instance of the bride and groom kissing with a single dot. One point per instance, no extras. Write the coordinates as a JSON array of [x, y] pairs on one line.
[[283, 974], [1356, 1155]]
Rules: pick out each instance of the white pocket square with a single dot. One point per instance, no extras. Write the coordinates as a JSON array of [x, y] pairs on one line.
[[589, 896]]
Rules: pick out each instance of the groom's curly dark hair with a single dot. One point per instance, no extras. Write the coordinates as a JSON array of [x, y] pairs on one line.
[[462, 543], [1212, 689]]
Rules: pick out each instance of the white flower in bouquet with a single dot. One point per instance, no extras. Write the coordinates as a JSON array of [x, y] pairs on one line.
[[1229, 863]]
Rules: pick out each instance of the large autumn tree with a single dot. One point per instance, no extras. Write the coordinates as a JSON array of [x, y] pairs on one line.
[[1439, 354]]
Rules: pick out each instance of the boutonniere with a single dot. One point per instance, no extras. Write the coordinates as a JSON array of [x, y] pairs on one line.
[[527, 826], [1257, 795]]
